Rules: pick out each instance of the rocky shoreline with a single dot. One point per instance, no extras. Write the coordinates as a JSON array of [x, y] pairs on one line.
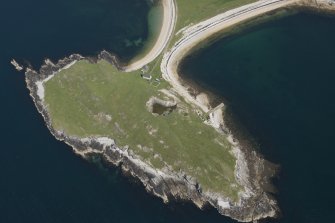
[[259, 171], [254, 203], [252, 171]]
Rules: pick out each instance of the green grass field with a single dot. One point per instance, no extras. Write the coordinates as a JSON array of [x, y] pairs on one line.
[[98, 100], [194, 11]]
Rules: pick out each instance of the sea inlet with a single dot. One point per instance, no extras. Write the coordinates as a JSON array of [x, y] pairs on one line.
[[277, 80]]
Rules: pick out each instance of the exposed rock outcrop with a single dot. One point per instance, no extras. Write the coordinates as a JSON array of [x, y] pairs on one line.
[[254, 203]]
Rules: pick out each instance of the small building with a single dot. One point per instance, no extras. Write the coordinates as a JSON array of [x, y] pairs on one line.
[[145, 68], [146, 76]]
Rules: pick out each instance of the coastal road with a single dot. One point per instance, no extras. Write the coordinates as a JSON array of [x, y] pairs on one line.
[[201, 31]]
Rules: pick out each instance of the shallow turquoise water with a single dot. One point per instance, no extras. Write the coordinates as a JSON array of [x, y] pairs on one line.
[[278, 79]]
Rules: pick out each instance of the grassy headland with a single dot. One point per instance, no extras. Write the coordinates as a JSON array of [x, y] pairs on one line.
[[159, 121], [97, 100], [92, 100]]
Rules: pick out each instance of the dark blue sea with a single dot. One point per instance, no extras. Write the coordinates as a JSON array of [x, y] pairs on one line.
[[290, 113], [277, 79], [41, 179]]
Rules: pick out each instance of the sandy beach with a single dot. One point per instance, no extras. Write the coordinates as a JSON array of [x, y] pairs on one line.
[[169, 20], [167, 183]]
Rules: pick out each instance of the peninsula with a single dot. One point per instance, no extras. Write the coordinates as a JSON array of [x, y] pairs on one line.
[[143, 118]]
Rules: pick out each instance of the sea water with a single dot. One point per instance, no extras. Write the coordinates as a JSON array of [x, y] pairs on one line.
[[277, 78], [41, 179]]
